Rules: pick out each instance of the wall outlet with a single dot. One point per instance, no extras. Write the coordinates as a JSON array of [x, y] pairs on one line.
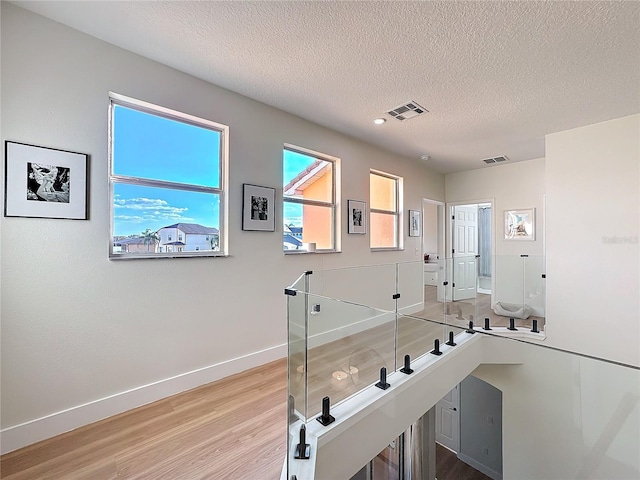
[[315, 309], [485, 450], [490, 419]]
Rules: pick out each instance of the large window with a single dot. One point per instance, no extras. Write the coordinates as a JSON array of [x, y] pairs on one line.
[[385, 192], [167, 180], [309, 195]]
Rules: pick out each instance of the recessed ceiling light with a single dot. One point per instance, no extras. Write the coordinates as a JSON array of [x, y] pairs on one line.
[[424, 157], [379, 121]]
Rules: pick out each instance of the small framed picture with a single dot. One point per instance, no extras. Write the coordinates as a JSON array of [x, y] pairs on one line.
[[44, 182], [357, 216], [414, 223], [258, 208], [519, 224]]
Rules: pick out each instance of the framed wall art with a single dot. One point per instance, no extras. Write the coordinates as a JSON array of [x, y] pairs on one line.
[[258, 208], [357, 216], [414, 223], [519, 224], [45, 182]]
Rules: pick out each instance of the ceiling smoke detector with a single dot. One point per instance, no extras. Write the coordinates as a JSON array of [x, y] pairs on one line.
[[407, 111], [500, 159]]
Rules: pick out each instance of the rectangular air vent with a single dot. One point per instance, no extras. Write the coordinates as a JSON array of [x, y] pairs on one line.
[[407, 111], [501, 158]]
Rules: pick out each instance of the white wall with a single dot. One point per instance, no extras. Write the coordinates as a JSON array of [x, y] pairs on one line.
[[511, 186], [78, 328], [593, 253], [481, 426], [430, 228]]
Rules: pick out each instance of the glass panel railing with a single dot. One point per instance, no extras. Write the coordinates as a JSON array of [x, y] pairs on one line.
[[348, 344], [410, 286], [580, 413], [507, 297], [460, 290], [518, 291], [433, 290], [534, 288], [297, 352], [300, 283], [416, 336], [296, 361], [371, 285]]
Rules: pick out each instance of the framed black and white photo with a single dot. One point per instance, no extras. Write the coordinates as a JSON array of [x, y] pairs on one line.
[[357, 216], [414, 223], [44, 182], [258, 208], [520, 224]]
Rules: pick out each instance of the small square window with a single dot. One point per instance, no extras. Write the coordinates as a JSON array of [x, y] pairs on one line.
[[309, 200], [384, 214]]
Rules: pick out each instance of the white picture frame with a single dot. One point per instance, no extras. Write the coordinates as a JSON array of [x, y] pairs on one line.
[[43, 182], [258, 208], [357, 216], [415, 225], [520, 225]]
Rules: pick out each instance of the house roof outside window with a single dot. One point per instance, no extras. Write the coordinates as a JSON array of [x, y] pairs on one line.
[[193, 228]]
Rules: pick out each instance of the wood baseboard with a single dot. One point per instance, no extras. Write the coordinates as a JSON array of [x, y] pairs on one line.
[[18, 436]]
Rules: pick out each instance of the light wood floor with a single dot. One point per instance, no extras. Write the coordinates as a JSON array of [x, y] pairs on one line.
[[234, 428]]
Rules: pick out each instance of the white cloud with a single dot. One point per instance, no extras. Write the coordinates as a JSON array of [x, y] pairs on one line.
[[149, 209], [129, 218]]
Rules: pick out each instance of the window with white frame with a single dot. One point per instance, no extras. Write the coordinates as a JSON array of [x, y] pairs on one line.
[[167, 182], [385, 193], [309, 200]]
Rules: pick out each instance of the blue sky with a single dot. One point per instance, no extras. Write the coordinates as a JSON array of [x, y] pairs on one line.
[[157, 148], [294, 163]]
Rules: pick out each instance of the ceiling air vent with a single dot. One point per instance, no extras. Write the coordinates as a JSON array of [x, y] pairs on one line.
[[501, 158], [407, 111]]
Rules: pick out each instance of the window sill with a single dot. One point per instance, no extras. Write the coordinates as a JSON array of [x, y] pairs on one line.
[[304, 252], [134, 256], [387, 249]]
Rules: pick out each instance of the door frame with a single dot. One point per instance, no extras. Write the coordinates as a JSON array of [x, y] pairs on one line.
[[442, 241], [449, 234], [441, 225]]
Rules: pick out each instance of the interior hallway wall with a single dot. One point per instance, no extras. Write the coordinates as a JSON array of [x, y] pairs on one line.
[[593, 247], [512, 186], [90, 337]]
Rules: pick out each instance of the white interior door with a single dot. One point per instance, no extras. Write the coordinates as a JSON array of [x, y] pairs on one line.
[[448, 420], [465, 249]]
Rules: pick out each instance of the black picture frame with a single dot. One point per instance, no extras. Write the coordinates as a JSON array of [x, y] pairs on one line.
[[357, 217], [258, 208], [44, 182], [415, 223]]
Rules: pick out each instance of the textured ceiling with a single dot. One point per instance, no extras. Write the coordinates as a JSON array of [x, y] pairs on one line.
[[495, 76]]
